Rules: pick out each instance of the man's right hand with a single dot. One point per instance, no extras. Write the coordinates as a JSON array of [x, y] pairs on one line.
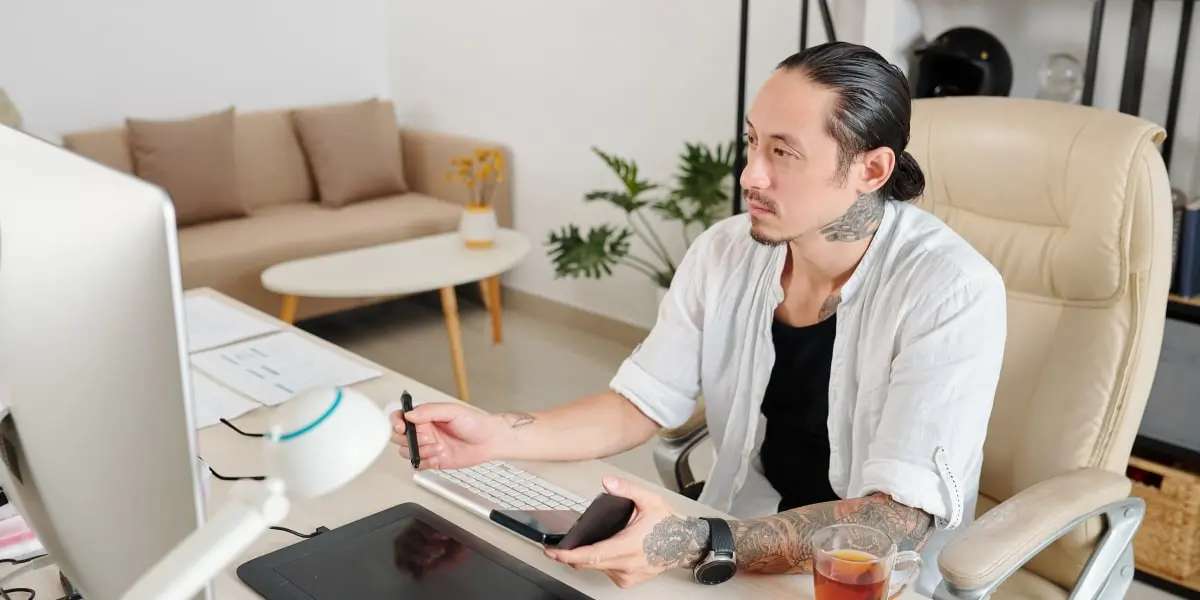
[[450, 436]]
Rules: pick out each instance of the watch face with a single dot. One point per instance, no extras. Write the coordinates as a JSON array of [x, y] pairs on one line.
[[715, 572]]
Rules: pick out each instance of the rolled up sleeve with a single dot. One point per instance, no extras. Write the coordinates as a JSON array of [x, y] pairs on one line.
[[662, 375], [939, 399]]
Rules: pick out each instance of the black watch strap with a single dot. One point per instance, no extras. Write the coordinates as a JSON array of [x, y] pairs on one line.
[[720, 537]]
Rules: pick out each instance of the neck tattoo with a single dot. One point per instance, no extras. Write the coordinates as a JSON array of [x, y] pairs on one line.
[[859, 222], [829, 306]]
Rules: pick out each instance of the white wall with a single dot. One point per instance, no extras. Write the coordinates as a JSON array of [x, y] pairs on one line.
[[77, 65], [551, 78]]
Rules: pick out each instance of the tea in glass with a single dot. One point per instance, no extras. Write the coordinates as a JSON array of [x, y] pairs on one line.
[[855, 562]]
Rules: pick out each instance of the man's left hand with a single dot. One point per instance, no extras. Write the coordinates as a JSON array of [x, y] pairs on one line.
[[656, 539]]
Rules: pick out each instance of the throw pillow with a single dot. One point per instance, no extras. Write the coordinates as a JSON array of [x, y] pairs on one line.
[[193, 160], [353, 150]]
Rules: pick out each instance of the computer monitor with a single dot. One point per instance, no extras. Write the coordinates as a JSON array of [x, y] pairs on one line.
[[98, 448]]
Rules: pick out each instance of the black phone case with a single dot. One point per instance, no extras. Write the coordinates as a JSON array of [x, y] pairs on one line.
[[533, 533], [606, 517]]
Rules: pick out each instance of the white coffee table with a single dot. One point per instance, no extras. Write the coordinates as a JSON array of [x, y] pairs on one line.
[[437, 262]]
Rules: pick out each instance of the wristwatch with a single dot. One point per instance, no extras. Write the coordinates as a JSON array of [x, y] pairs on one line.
[[721, 562]]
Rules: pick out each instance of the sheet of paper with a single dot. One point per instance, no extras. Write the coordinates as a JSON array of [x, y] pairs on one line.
[[215, 402], [211, 324], [276, 367]]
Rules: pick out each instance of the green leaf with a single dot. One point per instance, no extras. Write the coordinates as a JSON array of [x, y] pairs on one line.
[[627, 172], [671, 210], [589, 255], [621, 199], [704, 183]]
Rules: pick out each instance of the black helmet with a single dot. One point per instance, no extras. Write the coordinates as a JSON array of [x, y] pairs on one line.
[[964, 61]]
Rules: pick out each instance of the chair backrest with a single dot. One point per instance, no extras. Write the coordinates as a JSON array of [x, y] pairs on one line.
[[1073, 206]]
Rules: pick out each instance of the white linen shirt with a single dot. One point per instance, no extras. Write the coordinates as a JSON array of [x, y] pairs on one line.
[[916, 358]]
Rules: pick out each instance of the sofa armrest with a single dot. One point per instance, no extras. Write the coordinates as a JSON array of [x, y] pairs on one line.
[[427, 157], [1009, 535]]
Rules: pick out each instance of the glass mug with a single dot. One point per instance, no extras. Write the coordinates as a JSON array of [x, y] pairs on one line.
[[856, 562]]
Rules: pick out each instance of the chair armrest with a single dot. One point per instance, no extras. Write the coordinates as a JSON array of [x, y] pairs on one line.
[[674, 448], [694, 422], [1009, 535], [427, 157]]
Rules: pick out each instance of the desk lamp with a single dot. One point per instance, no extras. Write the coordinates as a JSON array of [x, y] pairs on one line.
[[316, 442]]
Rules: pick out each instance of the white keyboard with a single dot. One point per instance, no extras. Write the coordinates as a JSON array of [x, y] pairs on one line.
[[498, 486]]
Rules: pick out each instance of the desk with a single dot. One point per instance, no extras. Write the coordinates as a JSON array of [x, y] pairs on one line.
[[389, 482]]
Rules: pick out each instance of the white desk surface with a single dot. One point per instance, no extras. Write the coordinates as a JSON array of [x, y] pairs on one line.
[[410, 266], [389, 482]]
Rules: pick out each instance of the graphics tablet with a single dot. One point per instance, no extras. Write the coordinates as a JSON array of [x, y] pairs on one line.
[[403, 552]]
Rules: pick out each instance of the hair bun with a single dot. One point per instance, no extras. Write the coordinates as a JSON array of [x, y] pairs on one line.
[[907, 181]]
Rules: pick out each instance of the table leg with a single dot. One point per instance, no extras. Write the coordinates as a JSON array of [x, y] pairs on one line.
[[287, 313], [454, 331], [491, 292]]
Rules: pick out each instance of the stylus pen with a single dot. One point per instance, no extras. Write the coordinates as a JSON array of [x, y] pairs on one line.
[[414, 452]]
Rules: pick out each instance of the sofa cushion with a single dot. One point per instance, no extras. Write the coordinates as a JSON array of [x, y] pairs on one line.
[[353, 149], [193, 160], [212, 252], [271, 166], [105, 146]]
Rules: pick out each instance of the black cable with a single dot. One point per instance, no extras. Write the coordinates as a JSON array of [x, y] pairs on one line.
[[319, 531], [235, 478], [14, 561], [240, 432], [32, 594]]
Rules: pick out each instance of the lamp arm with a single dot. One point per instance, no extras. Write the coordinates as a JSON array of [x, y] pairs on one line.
[[252, 509]]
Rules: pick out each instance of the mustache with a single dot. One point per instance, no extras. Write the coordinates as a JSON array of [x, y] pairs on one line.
[[757, 198]]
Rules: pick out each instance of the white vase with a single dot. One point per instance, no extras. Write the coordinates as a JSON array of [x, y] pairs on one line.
[[478, 226]]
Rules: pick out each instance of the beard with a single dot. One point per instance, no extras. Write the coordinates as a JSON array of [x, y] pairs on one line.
[[762, 239], [771, 205]]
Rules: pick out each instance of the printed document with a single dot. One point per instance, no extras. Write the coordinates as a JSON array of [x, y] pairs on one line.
[[214, 402], [211, 324], [276, 367]]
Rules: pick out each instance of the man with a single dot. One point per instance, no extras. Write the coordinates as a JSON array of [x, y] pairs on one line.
[[864, 332]]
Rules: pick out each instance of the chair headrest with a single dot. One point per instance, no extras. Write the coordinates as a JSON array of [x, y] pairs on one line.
[[1045, 190]]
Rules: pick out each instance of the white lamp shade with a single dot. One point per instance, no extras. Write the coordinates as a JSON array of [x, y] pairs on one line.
[[321, 439], [8, 112]]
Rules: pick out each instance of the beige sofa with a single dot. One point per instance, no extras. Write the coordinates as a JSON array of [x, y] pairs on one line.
[[287, 222]]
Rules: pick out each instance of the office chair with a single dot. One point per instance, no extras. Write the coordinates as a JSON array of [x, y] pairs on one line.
[[1072, 205]]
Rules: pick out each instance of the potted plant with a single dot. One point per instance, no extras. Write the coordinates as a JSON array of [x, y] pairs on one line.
[[480, 172], [699, 197]]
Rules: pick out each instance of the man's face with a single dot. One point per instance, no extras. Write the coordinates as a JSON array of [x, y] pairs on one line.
[[791, 181]]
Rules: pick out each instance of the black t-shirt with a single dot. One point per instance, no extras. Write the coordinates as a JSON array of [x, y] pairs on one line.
[[795, 449]]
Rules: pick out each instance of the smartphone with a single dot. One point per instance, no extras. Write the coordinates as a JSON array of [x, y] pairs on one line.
[[564, 529]]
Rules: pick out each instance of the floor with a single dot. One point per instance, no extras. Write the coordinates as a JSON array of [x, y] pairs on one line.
[[539, 364]]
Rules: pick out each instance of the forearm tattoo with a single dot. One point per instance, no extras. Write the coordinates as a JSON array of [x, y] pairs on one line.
[[676, 542], [780, 543], [860, 221], [518, 419]]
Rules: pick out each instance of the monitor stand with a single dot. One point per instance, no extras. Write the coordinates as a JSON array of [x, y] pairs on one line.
[[69, 591]]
